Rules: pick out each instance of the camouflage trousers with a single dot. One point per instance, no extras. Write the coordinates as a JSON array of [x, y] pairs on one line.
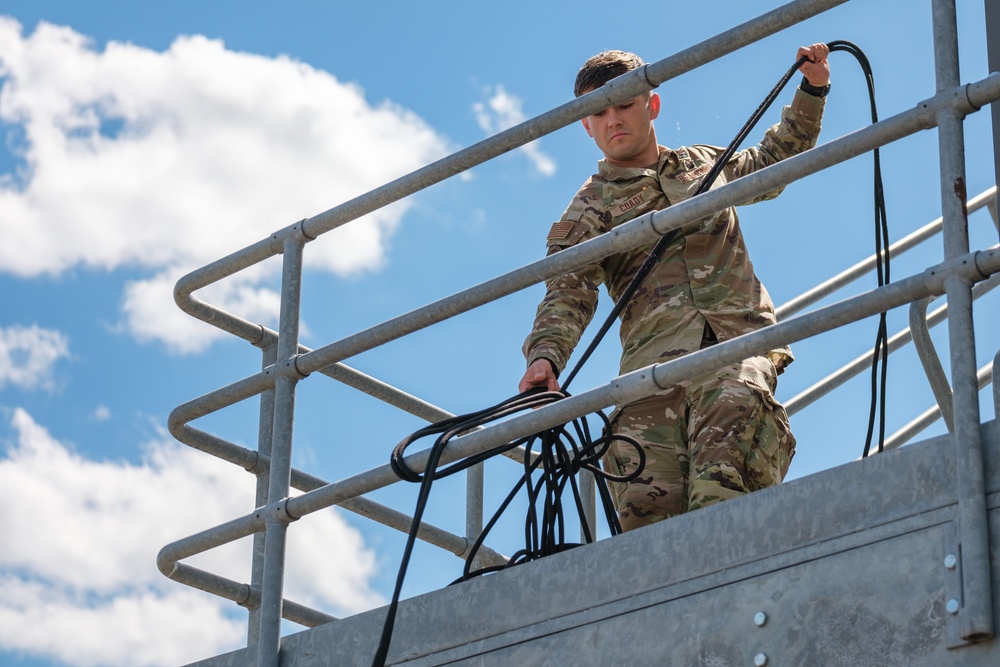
[[708, 439]]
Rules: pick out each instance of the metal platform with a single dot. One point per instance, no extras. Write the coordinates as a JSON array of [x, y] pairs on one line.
[[781, 577]]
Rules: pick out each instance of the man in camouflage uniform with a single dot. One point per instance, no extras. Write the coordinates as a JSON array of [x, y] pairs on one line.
[[711, 437]]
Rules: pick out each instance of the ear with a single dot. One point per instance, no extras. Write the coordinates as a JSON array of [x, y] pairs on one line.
[[654, 106], [586, 126]]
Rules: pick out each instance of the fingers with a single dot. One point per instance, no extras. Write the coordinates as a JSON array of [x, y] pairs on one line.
[[816, 69], [816, 53], [539, 374], [531, 380], [526, 384]]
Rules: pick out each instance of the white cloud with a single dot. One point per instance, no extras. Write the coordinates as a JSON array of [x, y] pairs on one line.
[[149, 312], [80, 556], [138, 628], [503, 111], [168, 161], [28, 356], [102, 413]]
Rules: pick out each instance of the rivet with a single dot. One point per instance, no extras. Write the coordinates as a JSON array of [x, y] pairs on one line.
[[760, 660], [951, 606], [760, 618], [950, 561]]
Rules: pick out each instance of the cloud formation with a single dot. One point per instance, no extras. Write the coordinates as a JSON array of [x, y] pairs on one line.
[[168, 161], [503, 111], [79, 555], [28, 355]]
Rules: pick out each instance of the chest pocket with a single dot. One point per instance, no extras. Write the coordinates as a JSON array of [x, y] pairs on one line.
[[684, 182]]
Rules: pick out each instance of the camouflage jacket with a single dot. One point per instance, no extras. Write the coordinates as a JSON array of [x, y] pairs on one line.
[[704, 277]]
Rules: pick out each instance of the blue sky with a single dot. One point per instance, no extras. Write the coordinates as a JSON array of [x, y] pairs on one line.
[[141, 140]]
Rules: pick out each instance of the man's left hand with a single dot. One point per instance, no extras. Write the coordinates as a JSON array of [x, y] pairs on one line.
[[816, 69]]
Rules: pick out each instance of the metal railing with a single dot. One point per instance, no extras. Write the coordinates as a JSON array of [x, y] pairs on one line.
[[285, 362]]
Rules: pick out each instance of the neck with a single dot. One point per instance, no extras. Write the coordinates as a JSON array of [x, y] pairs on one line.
[[648, 157]]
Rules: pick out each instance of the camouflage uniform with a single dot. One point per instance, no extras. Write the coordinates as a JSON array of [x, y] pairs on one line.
[[712, 437]]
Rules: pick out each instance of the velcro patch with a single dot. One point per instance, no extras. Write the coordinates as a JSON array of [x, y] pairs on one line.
[[624, 206], [688, 176], [560, 230]]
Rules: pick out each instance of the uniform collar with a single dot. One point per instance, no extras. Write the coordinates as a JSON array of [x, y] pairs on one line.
[[667, 159]]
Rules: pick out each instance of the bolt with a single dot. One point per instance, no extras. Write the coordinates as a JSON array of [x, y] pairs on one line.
[[760, 660], [760, 618], [951, 606], [950, 561]]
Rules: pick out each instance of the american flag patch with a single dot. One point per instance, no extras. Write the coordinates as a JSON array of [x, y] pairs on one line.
[[560, 230]]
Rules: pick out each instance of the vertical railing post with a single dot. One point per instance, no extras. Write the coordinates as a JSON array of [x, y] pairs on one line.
[[975, 615], [474, 482], [264, 431], [276, 520], [588, 496], [993, 62]]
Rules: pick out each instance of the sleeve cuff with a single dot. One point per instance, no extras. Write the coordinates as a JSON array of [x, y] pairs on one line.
[[541, 353]]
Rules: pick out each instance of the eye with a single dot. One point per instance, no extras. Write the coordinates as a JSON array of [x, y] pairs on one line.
[[627, 105]]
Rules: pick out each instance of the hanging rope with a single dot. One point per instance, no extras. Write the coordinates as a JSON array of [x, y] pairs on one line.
[[560, 456], [880, 356]]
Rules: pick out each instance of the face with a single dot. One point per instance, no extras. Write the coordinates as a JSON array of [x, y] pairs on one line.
[[624, 133]]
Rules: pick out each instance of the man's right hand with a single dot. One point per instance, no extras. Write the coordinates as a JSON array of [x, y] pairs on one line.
[[539, 374]]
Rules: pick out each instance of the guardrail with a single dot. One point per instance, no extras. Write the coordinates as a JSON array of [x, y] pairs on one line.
[[285, 362]]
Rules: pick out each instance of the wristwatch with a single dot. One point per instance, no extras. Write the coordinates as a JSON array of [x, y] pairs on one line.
[[817, 91]]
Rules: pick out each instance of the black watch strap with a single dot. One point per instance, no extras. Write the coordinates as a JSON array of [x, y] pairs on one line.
[[817, 91]]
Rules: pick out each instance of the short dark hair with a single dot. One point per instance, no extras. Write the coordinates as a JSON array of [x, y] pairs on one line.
[[603, 67]]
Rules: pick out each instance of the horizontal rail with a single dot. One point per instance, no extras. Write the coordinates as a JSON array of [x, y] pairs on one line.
[[245, 595], [984, 376], [258, 463], [649, 227], [624, 87], [638, 232], [635, 233], [852, 369], [987, 198], [972, 267]]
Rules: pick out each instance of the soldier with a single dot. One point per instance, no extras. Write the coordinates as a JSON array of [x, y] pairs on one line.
[[711, 437]]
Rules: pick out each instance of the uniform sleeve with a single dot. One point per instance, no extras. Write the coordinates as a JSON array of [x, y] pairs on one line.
[[798, 131], [570, 300]]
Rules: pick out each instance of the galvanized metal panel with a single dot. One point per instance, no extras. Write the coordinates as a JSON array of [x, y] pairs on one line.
[[848, 566]]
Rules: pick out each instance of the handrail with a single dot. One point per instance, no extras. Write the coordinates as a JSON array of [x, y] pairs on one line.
[[986, 198], [858, 365], [626, 388], [622, 88], [984, 376], [633, 234], [287, 362]]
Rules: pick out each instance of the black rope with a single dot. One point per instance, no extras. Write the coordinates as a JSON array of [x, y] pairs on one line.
[[880, 355], [560, 455]]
